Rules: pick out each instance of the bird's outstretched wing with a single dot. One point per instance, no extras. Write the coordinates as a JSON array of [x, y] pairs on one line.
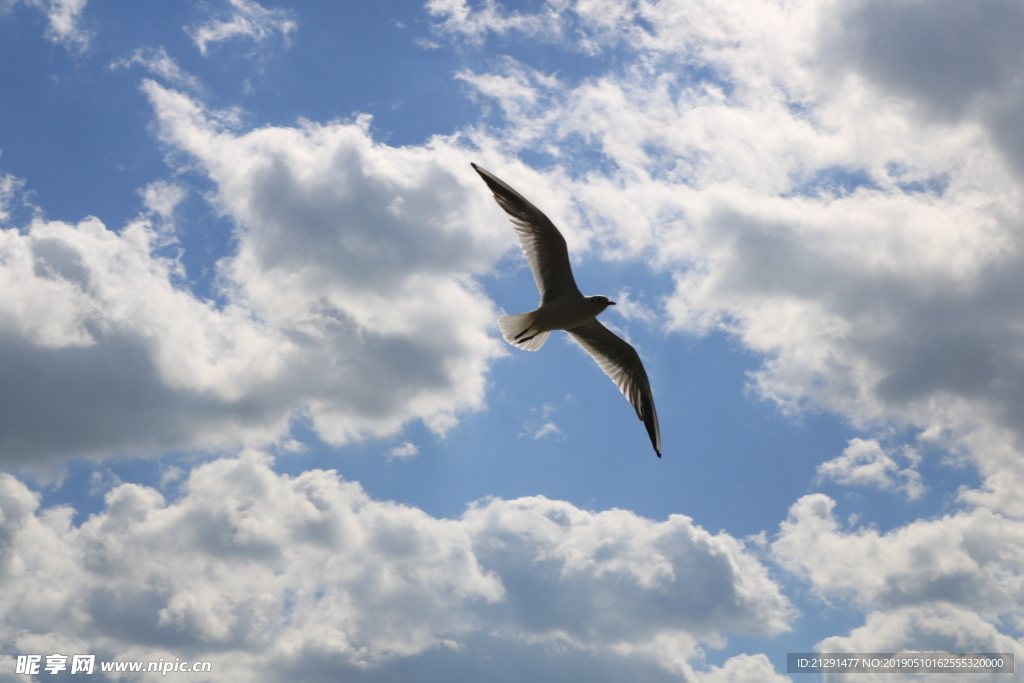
[[542, 244], [621, 362]]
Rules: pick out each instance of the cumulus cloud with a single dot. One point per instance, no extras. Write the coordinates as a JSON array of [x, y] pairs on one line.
[[743, 669], [247, 18], [865, 463], [972, 559], [555, 558], [945, 584], [954, 61], [361, 250], [934, 628], [269, 575], [350, 302], [103, 353], [246, 560]]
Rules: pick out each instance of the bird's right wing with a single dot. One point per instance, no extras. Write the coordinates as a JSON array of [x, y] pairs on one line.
[[622, 363], [540, 240]]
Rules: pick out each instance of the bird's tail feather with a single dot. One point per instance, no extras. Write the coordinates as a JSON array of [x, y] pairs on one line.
[[517, 328]]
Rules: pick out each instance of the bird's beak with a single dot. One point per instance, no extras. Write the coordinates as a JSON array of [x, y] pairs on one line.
[[611, 303]]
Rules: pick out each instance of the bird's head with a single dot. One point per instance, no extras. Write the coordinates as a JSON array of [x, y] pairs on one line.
[[601, 302]]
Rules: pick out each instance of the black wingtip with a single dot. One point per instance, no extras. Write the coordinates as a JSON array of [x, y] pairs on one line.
[[488, 177], [507, 198]]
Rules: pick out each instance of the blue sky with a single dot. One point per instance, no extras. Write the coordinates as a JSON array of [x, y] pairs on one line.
[[255, 409]]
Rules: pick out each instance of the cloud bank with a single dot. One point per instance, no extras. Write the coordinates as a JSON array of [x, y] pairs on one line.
[[268, 576]]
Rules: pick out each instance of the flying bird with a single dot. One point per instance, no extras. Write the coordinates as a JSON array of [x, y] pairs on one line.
[[563, 307]]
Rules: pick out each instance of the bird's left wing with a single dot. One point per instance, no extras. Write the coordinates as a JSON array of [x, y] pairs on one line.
[[621, 362], [542, 244]]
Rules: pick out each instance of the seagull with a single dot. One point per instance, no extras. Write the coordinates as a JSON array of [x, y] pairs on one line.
[[563, 307]]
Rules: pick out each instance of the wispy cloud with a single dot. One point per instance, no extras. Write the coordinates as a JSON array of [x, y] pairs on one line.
[[65, 16], [10, 188], [544, 426], [474, 23], [632, 308], [159, 63], [246, 19], [64, 21]]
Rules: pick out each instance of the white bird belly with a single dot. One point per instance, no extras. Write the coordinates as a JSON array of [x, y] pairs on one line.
[[564, 313]]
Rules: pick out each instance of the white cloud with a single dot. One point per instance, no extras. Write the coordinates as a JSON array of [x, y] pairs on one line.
[[403, 451], [544, 426], [102, 353], [162, 197], [65, 22], [246, 561], [972, 559], [935, 628], [458, 17], [865, 463], [632, 308], [953, 61], [247, 19], [354, 260], [269, 575], [945, 584], [547, 429], [159, 63], [10, 188], [363, 253], [64, 18], [743, 669], [101, 481], [426, 43], [613, 580]]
